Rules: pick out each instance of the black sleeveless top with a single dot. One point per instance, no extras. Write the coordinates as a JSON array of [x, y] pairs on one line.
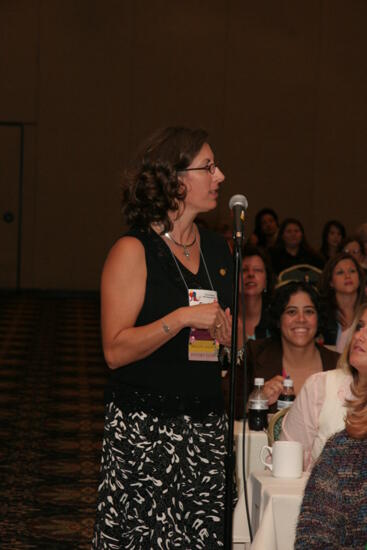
[[166, 382]]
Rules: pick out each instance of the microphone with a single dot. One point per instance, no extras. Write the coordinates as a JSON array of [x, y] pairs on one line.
[[239, 204]]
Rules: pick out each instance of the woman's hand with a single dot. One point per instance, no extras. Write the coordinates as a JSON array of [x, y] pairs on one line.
[[213, 318], [222, 330], [273, 388]]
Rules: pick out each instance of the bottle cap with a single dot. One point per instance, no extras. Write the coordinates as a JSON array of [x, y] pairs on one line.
[[288, 383], [259, 382]]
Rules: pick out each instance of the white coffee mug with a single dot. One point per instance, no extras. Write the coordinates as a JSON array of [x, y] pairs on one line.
[[287, 459]]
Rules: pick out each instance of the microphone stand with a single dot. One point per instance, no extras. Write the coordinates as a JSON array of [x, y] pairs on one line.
[[228, 520]]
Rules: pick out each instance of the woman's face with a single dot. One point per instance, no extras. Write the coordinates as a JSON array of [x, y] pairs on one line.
[[354, 249], [345, 277], [254, 276], [334, 237], [202, 186], [358, 346], [298, 322], [292, 235]]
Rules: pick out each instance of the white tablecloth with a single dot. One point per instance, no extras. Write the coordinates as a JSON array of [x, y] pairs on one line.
[[254, 441], [275, 508]]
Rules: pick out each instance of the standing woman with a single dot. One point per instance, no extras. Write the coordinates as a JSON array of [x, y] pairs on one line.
[[162, 473], [342, 291]]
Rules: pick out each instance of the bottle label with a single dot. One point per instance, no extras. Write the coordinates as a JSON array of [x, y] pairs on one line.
[[282, 403], [258, 405]]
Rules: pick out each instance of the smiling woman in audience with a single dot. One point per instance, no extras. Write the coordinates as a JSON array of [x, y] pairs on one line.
[[342, 290], [319, 410], [334, 508], [291, 351]]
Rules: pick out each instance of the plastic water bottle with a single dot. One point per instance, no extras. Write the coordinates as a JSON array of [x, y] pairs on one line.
[[287, 396], [258, 407]]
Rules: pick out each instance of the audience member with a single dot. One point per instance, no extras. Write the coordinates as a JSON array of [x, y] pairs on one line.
[[333, 234], [334, 508], [362, 234], [354, 246], [266, 228], [291, 350], [319, 409], [291, 248], [258, 283], [342, 290]]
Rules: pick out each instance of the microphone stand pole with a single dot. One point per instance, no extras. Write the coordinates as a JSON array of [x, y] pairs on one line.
[[228, 520]]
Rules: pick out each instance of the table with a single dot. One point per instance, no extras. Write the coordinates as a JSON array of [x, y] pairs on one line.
[[254, 442], [275, 508]]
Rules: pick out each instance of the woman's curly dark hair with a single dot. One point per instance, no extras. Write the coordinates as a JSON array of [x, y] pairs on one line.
[[327, 292], [281, 298], [151, 187]]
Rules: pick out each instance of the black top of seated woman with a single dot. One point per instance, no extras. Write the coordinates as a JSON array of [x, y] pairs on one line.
[[157, 384]]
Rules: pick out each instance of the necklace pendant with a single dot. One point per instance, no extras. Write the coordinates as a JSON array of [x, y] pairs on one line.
[[186, 252]]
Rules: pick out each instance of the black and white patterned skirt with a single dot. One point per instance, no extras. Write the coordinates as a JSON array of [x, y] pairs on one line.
[[162, 482]]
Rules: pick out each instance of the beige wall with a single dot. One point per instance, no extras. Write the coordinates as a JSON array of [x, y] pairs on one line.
[[280, 86]]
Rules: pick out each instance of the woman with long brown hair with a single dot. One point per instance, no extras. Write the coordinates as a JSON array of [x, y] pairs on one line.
[[342, 287]]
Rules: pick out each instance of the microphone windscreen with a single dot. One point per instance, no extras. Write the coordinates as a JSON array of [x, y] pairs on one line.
[[238, 200]]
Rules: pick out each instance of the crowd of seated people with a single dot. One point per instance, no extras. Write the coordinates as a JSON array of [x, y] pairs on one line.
[[315, 332], [292, 328]]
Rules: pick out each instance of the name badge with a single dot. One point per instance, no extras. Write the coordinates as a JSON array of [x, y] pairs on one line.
[[202, 347]]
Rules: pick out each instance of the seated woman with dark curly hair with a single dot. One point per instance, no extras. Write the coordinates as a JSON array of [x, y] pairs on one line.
[[334, 508], [292, 350]]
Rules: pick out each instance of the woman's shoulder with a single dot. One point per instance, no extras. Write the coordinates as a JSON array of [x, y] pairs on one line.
[[319, 379], [342, 445]]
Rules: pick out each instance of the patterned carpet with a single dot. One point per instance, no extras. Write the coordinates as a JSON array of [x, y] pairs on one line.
[[52, 377]]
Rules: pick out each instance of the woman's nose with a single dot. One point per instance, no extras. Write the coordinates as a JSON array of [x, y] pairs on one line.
[[218, 175]]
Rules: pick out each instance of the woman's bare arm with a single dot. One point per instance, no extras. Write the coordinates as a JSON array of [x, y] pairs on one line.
[[123, 290]]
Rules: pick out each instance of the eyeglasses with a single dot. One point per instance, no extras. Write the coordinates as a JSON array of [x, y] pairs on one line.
[[209, 168]]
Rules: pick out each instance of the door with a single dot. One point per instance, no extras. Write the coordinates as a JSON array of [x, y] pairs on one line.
[[10, 190]]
